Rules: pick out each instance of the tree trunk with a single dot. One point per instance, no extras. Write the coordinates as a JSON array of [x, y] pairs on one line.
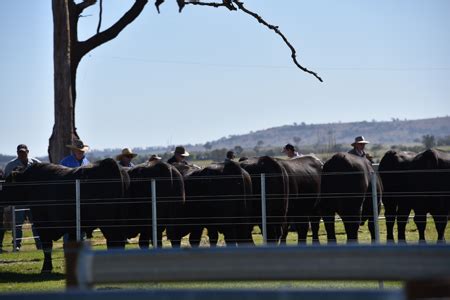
[[63, 129], [67, 55]]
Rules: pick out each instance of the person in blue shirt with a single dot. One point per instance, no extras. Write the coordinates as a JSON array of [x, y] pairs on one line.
[[78, 157], [75, 160], [124, 158]]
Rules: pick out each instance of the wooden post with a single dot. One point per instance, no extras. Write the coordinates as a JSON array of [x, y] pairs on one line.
[[71, 254]]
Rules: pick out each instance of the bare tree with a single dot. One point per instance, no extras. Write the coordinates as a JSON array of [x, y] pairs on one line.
[[68, 52]]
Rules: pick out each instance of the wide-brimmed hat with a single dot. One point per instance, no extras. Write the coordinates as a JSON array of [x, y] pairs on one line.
[[360, 140], [154, 157], [78, 145], [126, 152], [181, 151]]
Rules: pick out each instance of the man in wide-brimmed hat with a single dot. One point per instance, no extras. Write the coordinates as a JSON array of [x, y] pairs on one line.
[[77, 158], [179, 156], [124, 159], [358, 147]]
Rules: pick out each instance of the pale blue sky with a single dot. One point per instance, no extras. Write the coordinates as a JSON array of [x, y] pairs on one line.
[[206, 73]]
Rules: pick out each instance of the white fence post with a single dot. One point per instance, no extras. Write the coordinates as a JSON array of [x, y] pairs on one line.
[[375, 206], [77, 208], [263, 208], [375, 214], [154, 215], [14, 225]]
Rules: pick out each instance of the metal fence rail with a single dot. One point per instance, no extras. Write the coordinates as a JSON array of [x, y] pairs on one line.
[[190, 294], [349, 262]]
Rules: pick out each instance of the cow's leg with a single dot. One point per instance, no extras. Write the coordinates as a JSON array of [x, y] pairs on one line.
[[390, 212], [144, 238], [351, 224], [47, 246], [115, 242], [315, 226], [440, 221], [272, 231], [244, 234], [420, 218], [328, 220], [302, 227], [213, 235]]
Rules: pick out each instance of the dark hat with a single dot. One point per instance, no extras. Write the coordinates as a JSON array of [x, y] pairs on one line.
[[154, 157], [181, 151], [126, 152], [78, 145], [22, 147], [288, 147], [360, 140]]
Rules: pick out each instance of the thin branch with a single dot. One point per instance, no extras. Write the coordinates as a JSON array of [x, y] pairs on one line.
[[158, 3], [100, 13], [113, 31], [85, 4], [277, 31], [212, 4]]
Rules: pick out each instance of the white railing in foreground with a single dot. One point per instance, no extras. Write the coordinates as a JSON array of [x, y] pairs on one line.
[[339, 262]]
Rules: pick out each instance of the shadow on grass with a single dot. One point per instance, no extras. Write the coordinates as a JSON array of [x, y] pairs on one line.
[[35, 277]]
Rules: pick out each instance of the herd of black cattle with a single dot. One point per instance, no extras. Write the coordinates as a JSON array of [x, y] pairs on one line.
[[226, 197]]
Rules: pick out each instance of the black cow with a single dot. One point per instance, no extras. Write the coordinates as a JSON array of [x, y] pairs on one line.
[[292, 187], [217, 197], [346, 190], [49, 191], [170, 198], [394, 170], [431, 173]]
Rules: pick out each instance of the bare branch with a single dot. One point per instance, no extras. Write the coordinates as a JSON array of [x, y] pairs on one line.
[[277, 31], [226, 3], [229, 4], [113, 31], [100, 13], [158, 3], [85, 4]]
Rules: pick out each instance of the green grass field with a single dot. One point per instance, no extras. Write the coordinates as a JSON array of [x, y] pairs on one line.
[[20, 271]]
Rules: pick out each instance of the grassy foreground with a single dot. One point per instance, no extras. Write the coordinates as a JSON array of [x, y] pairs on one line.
[[20, 271]]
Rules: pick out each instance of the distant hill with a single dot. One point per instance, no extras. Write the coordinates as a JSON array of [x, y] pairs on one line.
[[393, 132], [307, 137]]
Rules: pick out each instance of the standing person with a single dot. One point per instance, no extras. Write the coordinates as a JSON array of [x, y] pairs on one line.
[[22, 161], [290, 152], [78, 157], [358, 148], [179, 156], [124, 159], [230, 156], [2, 230], [75, 160]]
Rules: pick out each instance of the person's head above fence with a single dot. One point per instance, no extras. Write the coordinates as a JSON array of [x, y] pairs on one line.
[[230, 155], [154, 157], [179, 150], [360, 142], [78, 149], [22, 152], [289, 150], [126, 156]]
